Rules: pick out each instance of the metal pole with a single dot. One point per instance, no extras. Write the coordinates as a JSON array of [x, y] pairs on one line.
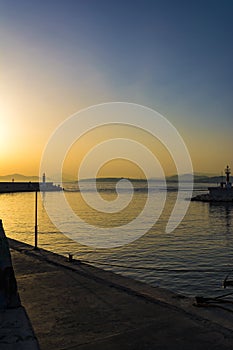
[[36, 227]]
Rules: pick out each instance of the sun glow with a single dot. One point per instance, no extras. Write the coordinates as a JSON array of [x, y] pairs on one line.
[[4, 133]]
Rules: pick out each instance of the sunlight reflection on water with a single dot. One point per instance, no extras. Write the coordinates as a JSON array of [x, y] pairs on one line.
[[194, 259]]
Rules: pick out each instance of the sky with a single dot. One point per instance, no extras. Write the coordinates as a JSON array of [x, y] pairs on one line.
[[61, 56]]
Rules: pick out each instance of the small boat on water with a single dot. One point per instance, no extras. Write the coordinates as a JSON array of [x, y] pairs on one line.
[[221, 193], [71, 190]]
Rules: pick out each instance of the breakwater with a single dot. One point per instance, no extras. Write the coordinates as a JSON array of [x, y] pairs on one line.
[[12, 187]]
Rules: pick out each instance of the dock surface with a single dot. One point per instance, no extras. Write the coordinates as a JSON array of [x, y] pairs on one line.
[[15, 328], [77, 306]]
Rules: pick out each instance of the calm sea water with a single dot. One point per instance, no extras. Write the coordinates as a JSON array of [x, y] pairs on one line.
[[192, 260]]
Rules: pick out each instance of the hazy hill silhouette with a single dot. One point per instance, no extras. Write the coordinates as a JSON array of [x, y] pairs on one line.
[[174, 178], [19, 178]]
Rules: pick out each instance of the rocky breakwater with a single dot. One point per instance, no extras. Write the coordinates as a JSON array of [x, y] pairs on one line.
[[216, 194]]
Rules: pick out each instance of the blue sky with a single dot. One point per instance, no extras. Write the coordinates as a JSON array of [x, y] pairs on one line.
[[173, 56]]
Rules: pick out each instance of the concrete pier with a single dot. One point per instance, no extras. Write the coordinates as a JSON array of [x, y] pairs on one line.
[[76, 306], [14, 187], [15, 328]]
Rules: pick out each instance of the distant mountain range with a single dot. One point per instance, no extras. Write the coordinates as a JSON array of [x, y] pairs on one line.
[[19, 178], [197, 178]]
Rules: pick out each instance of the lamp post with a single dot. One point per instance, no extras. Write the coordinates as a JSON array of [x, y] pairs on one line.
[[36, 226]]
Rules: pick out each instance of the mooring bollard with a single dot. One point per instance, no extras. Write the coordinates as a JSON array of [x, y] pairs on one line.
[[70, 257], [9, 297]]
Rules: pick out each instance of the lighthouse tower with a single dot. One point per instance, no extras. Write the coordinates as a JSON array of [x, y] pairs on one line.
[[44, 178], [228, 172]]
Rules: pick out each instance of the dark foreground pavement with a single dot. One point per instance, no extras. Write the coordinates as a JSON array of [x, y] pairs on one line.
[[15, 328], [75, 306]]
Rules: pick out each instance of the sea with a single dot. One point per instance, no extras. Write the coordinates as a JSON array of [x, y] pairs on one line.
[[193, 260]]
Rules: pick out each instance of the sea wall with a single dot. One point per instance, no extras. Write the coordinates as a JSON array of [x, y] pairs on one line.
[[215, 195], [11, 187], [221, 194], [8, 287]]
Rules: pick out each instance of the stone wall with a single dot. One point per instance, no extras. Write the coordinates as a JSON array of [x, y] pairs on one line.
[[9, 297]]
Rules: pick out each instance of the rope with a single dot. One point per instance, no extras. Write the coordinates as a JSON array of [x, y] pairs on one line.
[[200, 301], [215, 302]]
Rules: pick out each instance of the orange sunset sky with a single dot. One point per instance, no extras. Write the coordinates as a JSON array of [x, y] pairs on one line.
[[58, 57]]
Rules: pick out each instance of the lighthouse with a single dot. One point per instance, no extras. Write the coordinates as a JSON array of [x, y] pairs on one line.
[[44, 178], [222, 193], [228, 172]]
